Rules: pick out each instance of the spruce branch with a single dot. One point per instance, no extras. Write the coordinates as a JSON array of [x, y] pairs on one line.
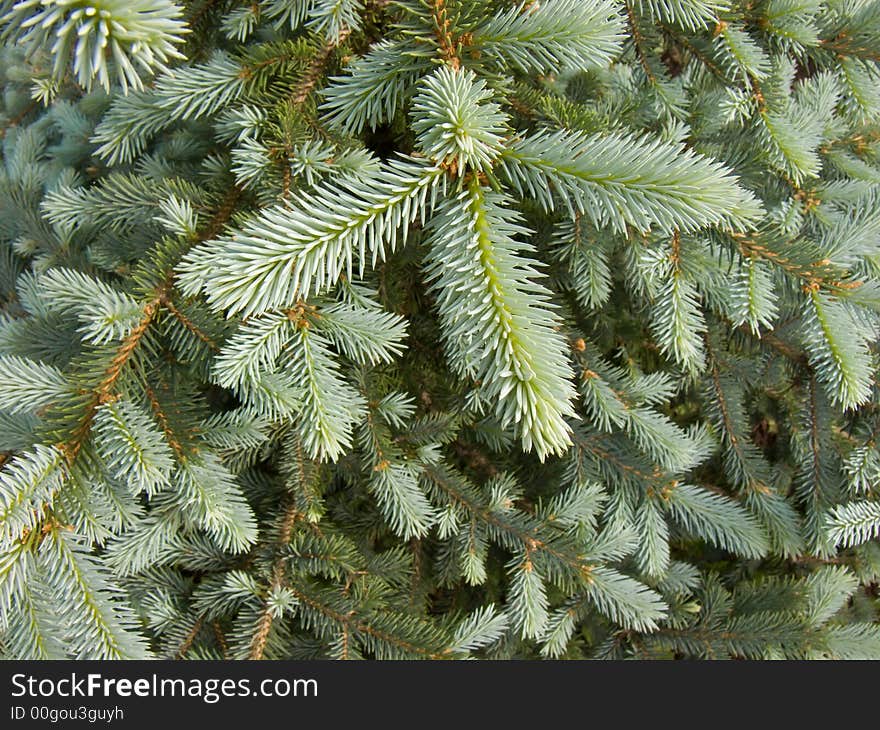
[[504, 336], [617, 180], [287, 252]]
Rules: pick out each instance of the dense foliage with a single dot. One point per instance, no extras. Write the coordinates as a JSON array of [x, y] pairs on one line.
[[439, 328]]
